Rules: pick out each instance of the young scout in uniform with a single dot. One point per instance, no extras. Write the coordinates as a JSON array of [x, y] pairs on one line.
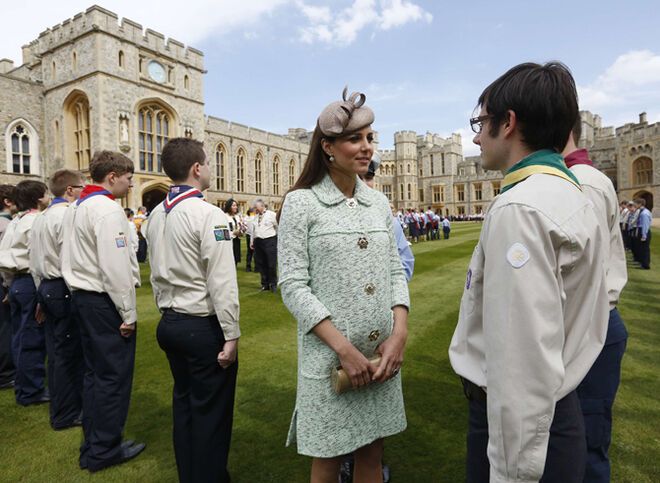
[[533, 316], [7, 370], [193, 275], [28, 343], [598, 389], [65, 360], [99, 267]]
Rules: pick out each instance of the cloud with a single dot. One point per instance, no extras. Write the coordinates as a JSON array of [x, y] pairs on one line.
[[342, 28], [634, 76], [199, 19]]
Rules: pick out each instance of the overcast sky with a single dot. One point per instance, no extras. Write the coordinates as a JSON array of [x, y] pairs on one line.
[[274, 64]]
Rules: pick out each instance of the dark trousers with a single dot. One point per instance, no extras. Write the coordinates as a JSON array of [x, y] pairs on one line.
[[203, 396], [7, 370], [566, 454], [597, 392], [65, 359], [644, 251], [236, 245], [445, 232], [634, 244], [265, 250], [250, 253], [109, 360], [28, 341]]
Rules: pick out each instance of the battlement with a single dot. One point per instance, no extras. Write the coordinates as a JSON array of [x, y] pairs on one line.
[[251, 134], [98, 19], [405, 137]]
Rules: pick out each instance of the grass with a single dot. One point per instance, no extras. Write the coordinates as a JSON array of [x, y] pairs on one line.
[[432, 449]]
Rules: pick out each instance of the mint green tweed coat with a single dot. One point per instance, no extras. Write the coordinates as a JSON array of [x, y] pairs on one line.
[[328, 270]]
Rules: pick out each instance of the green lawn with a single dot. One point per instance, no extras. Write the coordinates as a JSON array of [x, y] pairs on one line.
[[432, 448]]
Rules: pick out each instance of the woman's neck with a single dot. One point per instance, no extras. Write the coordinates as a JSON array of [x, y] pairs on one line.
[[345, 182]]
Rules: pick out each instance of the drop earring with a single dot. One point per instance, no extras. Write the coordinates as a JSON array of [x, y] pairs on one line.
[[331, 158]]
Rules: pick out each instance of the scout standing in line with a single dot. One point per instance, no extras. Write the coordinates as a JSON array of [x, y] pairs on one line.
[[533, 315], [28, 343], [7, 370], [99, 266], [194, 279], [65, 360]]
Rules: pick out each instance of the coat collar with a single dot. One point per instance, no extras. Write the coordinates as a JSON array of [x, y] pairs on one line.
[[328, 193]]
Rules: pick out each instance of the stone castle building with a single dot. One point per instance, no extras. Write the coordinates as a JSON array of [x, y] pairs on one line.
[[95, 82]]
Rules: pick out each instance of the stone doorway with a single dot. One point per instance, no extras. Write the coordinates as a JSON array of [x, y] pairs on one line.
[[648, 197], [153, 196]]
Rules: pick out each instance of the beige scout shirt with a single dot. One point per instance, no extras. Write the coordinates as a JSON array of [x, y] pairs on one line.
[[599, 189], [96, 253], [46, 243], [192, 262], [15, 245], [533, 316], [265, 225], [5, 219]]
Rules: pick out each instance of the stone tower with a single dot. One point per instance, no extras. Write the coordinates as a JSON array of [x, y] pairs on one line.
[[405, 147]]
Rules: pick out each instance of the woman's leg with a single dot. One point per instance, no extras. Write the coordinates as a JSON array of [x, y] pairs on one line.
[[368, 463], [325, 470]]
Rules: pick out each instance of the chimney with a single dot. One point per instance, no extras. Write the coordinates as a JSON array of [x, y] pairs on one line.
[[642, 118]]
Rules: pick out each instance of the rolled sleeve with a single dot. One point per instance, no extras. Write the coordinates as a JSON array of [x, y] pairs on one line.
[[398, 283], [293, 261]]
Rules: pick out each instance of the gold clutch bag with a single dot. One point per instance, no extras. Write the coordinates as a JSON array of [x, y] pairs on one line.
[[340, 380]]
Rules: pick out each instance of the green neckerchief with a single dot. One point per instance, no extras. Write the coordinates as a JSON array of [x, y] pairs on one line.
[[544, 161]]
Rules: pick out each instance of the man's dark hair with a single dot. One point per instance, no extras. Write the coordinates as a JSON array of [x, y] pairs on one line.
[[179, 155], [105, 162], [28, 193], [7, 193], [64, 178], [544, 99]]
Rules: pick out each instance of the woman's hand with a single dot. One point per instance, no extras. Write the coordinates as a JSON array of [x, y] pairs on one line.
[[391, 353], [356, 365]]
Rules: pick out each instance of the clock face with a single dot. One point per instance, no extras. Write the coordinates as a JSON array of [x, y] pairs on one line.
[[157, 71]]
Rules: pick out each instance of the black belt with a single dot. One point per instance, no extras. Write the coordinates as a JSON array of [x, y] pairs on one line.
[[22, 275], [472, 391]]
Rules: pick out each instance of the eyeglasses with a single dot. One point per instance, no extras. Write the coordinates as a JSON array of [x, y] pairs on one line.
[[477, 123], [77, 186]]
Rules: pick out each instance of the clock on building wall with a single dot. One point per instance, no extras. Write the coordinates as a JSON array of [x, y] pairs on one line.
[[157, 72]]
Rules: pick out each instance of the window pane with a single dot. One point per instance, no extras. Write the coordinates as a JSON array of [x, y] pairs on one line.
[[141, 142], [26, 164], [142, 164], [149, 122], [16, 163], [141, 121], [14, 143], [26, 145], [150, 161]]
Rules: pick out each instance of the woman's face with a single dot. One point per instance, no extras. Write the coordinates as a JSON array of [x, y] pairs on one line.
[[234, 208], [352, 152]]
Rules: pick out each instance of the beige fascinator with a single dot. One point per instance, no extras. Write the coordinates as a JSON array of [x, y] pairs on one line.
[[348, 115]]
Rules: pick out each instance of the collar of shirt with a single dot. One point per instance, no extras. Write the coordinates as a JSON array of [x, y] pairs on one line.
[[91, 190], [328, 193], [179, 193], [579, 156], [544, 161], [57, 200], [6, 215]]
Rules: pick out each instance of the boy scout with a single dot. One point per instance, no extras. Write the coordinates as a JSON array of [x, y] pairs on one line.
[[598, 389], [28, 344], [534, 310], [194, 281], [65, 361], [7, 370], [98, 266]]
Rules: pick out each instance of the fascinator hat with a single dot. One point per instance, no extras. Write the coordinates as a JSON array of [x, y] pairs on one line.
[[345, 116]]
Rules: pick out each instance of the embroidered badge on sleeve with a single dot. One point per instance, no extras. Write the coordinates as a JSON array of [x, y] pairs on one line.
[[518, 255], [120, 241]]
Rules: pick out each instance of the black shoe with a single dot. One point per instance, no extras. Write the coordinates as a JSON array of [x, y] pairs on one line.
[[44, 398], [124, 445], [7, 385], [127, 454], [248, 269], [273, 289]]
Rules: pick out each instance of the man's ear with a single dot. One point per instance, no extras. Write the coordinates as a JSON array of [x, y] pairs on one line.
[[510, 123]]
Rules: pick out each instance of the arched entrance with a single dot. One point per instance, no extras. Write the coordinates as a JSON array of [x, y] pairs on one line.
[[646, 196], [153, 195]]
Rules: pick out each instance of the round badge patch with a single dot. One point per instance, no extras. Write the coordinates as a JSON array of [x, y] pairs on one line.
[[518, 255]]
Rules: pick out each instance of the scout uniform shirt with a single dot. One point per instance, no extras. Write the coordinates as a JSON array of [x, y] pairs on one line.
[[5, 219], [600, 190], [46, 242], [96, 253], [15, 245], [192, 259], [533, 316], [265, 224]]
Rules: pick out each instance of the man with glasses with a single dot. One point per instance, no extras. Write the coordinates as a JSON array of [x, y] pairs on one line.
[[61, 323], [533, 316]]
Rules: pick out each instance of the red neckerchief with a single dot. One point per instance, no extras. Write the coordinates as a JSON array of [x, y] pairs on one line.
[[92, 188], [579, 156]]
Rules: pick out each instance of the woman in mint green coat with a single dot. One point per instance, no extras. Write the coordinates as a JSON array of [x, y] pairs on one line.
[[342, 279]]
